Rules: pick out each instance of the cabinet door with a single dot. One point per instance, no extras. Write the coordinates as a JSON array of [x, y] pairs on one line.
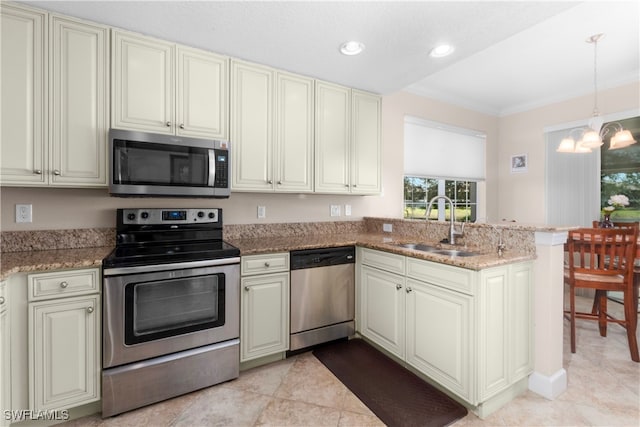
[[382, 309], [5, 365], [251, 127], [520, 325], [78, 103], [439, 336], [142, 85], [366, 176], [294, 133], [22, 84], [332, 138], [202, 94], [64, 333], [265, 315]]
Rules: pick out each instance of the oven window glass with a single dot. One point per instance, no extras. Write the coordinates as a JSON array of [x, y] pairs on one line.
[[146, 163], [165, 308]]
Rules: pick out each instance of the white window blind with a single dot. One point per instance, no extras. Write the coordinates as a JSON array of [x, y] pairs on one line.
[[436, 150], [572, 184]]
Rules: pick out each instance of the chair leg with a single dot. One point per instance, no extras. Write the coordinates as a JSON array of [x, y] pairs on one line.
[[631, 320], [572, 316], [602, 312]]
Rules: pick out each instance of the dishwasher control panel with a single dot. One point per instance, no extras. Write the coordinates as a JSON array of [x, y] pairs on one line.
[[310, 258]]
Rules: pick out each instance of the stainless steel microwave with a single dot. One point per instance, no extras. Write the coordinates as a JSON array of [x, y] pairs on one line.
[[143, 164]]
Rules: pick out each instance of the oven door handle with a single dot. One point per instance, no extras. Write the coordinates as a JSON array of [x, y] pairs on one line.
[[171, 266]]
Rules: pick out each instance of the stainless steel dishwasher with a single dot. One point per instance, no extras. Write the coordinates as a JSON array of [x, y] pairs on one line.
[[322, 295]]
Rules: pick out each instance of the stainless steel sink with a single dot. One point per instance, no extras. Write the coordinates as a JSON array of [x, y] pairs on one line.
[[436, 250]]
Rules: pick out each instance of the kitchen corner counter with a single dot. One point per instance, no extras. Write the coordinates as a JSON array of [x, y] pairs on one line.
[[384, 242], [55, 259]]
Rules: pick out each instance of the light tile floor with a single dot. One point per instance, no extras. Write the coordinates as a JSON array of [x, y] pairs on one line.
[[603, 390]]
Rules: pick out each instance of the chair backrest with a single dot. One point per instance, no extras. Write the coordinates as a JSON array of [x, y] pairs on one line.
[[602, 251]]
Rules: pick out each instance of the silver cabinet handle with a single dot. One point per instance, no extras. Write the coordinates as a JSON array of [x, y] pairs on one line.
[[89, 310], [56, 172], [279, 182], [2, 300], [168, 124], [270, 181], [409, 290], [266, 264], [63, 285], [247, 288], [346, 185], [398, 286], [181, 125], [38, 171]]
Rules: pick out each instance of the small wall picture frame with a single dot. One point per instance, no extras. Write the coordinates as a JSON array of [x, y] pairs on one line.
[[519, 163]]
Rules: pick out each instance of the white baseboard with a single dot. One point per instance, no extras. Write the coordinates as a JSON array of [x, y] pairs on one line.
[[549, 387]]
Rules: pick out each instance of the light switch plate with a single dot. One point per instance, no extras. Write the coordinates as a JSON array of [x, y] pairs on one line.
[[388, 228], [24, 213], [262, 212], [335, 210], [347, 210]]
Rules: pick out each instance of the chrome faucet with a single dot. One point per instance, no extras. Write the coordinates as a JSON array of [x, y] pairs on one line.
[[452, 216]]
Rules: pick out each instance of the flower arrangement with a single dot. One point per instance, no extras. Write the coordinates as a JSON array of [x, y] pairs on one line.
[[617, 201]]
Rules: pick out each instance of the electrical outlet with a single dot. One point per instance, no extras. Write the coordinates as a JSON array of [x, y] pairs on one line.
[[347, 210], [262, 212], [23, 213], [388, 228], [335, 210]]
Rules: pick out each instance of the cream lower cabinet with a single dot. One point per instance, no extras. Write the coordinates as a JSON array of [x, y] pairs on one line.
[[55, 84], [5, 354], [264, 285], [64, 330], [469, 331]]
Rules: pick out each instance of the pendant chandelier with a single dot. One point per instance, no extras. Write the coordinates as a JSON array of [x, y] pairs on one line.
[[582, 140]]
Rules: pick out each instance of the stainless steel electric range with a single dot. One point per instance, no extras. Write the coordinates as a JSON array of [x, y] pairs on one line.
[[171, 311]]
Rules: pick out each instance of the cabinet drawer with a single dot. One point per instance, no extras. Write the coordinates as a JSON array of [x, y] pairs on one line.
[[383, 260], [267, 263], [63, 283], [447, 276]]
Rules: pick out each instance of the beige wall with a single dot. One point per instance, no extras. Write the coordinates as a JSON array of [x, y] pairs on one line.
[[522, 195]]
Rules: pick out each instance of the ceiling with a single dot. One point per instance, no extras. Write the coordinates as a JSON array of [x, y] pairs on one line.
[[510, 55]]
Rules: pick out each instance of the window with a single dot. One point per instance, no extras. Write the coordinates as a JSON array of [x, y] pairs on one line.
[[419, 190], [434, 165], [620, 173]]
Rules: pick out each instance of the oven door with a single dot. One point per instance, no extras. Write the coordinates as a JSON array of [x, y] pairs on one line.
[[152, 314]]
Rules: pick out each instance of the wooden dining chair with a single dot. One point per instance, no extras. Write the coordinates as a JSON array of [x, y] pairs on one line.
[[602, 259]]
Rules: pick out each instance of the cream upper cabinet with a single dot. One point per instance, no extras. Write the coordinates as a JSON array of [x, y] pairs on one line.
[[78, 104], [54, 100], [23, 85], [366, 143], [162, 87], [333, 134], [272, 129], [348, 142]]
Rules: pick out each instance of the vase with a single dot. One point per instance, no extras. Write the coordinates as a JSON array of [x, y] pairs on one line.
[[606, 222]]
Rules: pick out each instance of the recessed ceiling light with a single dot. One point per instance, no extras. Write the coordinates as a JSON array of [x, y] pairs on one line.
[[351, 48], [441, 51]]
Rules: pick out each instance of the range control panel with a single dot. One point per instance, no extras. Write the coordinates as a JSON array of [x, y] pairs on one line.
[[169, 216]]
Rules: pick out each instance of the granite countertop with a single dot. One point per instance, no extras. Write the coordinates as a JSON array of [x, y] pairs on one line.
[[55, 259], [385, 242], [58, 259]]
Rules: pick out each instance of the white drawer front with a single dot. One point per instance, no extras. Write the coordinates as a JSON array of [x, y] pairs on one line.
[[267, 263], [447, 276], [383, 260], [63, 283]]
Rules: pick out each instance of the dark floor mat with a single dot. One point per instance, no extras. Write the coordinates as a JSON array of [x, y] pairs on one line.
[[397, 396]]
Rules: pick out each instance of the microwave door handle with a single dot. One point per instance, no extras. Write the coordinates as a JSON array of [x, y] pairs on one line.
[[212, 168]]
